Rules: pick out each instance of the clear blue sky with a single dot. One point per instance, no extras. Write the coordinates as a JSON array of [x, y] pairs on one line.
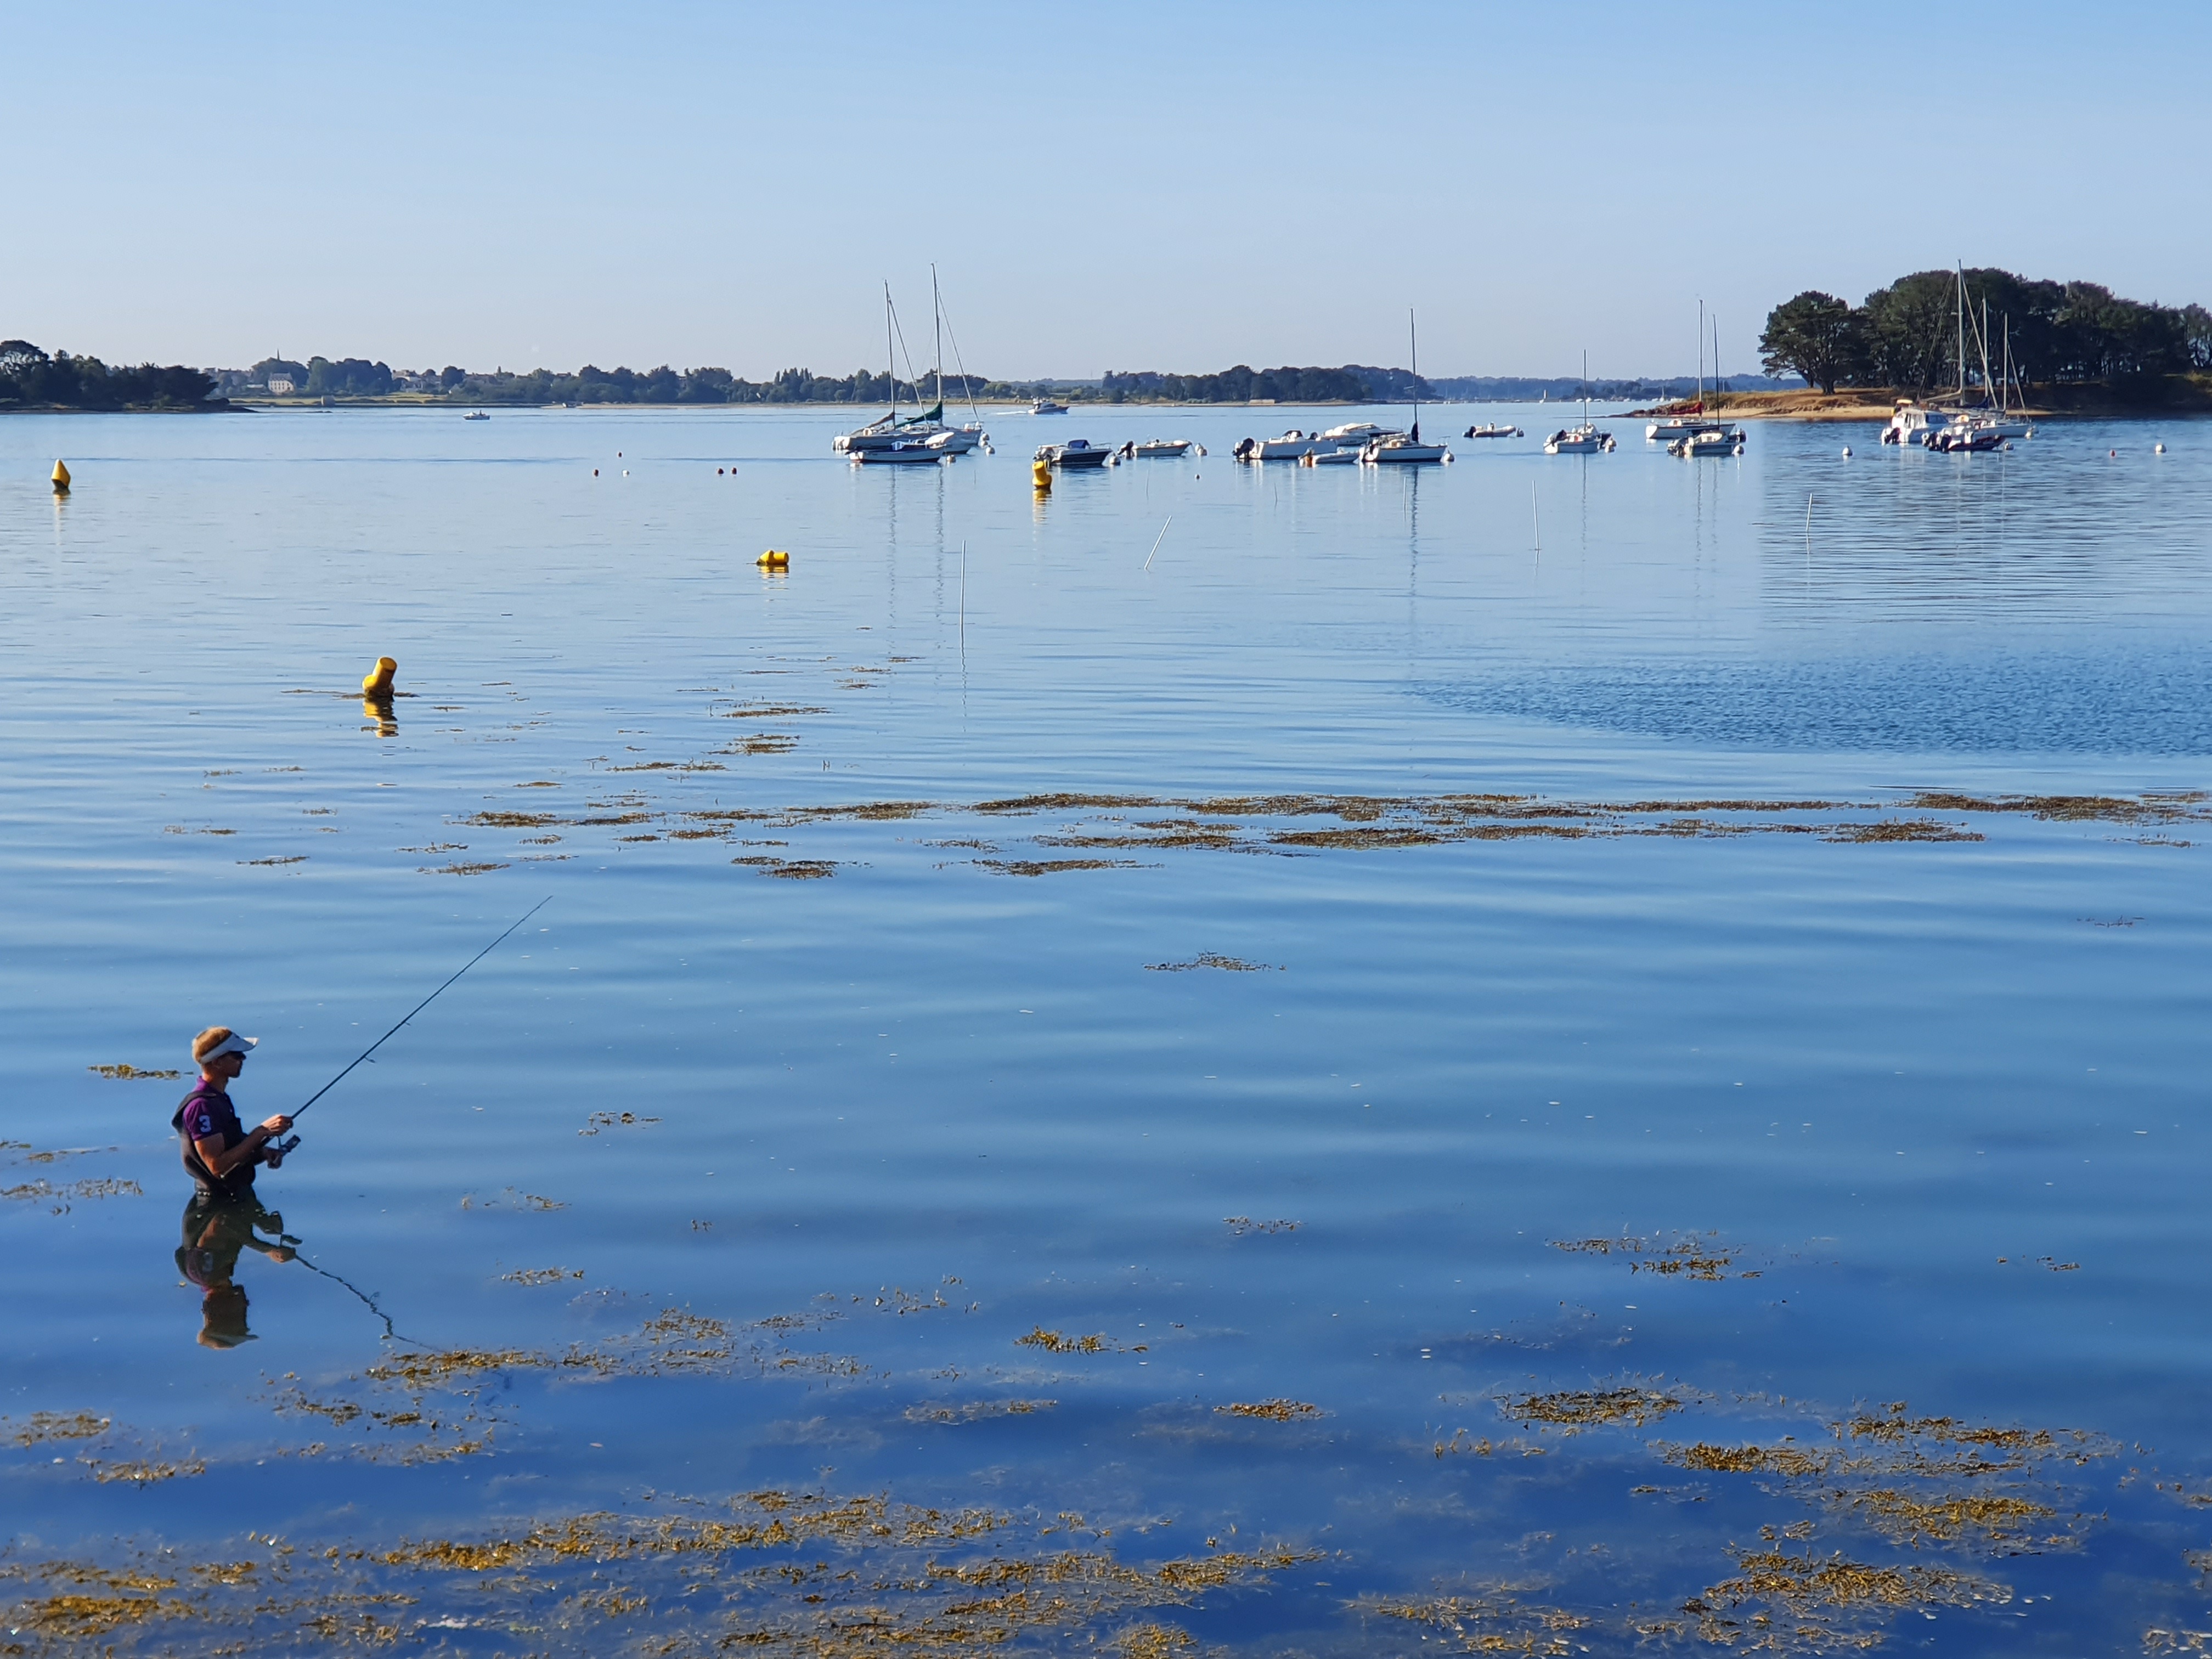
[[1128, 186]]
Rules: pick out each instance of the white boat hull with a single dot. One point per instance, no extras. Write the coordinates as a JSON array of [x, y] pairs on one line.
[[1403, 454]]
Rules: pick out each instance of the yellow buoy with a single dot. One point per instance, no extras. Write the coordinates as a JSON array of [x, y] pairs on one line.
[[1040, 474], [774, 560], [377, 683], [61, 478]]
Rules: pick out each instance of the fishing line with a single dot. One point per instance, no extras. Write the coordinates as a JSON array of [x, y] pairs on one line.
[[411, 1012]]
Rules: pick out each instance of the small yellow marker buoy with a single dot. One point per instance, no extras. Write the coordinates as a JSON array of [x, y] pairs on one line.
[[61, 478], [774, 560], [377, 683], [1040, 474]]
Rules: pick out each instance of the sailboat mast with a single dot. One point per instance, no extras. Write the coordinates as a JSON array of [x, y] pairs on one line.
[[891, 352], [937, 310], [1962, 331], [1701, 355], [1414, 344]]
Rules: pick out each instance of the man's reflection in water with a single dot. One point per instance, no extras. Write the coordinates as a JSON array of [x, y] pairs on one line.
[[216, 1231]]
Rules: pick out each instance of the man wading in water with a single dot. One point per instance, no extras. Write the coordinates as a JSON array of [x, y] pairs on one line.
[[219, 1153]]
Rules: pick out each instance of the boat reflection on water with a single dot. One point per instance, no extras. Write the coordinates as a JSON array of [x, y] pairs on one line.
[[215, 1231]]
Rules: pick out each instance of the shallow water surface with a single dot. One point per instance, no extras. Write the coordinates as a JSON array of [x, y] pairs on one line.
[[1541, 1056]]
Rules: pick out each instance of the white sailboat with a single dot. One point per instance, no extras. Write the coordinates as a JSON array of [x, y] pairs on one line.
[[1583, 440], [1685, 426], [1406, 447]]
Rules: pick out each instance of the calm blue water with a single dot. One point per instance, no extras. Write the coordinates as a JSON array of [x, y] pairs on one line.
[[1895, 1144]]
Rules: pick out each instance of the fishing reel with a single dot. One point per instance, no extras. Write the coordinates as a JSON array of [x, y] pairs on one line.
[[283, 1148]]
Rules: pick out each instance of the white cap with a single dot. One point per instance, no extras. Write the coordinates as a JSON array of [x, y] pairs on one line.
[[233, 1044]]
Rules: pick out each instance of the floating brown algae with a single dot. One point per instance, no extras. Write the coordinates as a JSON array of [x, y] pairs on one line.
[[769, 711], [1804, 1586], [1055, 803], [977, 1411], [511, 820], [1273, 1411], [1790, 1461], [146, 1472], [1211, 959], [1899, 829], [600, 1120], [1153, 1641], [69, 1189], [56, 1425], [541, 1275], [1692, 1256], [1053, 1342], [295, 858], [2073, 809], [128, 1071], [1493, 1623], [459, 869], [1992, 1519], [1574, 1409], [1055, 867], [802, 870], [437, 1371], [1239, 1225]]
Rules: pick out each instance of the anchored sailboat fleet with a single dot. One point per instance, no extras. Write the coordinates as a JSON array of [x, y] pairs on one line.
[[921, 437], [1960, 428]]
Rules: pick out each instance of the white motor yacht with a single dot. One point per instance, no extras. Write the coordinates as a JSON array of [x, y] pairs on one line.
[[1165, 449], [1355, 434], [1293, 445], [1046, 406], [1332, 457]]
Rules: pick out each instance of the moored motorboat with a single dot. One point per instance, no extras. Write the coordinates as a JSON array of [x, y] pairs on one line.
[[1076, 453], [1165, 448], [1969, 438], [1331, 457], [478, 415], [1402, 447], [1493, 430], [1293, 446], [1584, 440], [1714, 442]]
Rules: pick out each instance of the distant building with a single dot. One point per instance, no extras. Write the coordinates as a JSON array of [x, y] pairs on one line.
[[280, 385]]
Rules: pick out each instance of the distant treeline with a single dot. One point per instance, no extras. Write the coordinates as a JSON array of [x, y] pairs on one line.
[[353, 377], [29, 377], [1354, 383], [1522, 389], [1906, 335]]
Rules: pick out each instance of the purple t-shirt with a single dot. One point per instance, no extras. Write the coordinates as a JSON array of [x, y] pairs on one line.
[[206, 1113]]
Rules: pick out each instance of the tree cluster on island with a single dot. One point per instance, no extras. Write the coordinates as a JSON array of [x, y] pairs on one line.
[[1906, 335], [33, 379]]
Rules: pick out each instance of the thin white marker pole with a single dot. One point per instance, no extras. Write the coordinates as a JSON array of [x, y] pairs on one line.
[[1808, 523], [1535, 520], [1156, 540], [964, 598]]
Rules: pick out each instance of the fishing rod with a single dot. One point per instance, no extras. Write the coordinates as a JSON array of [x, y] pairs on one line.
[[290, 1141]]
